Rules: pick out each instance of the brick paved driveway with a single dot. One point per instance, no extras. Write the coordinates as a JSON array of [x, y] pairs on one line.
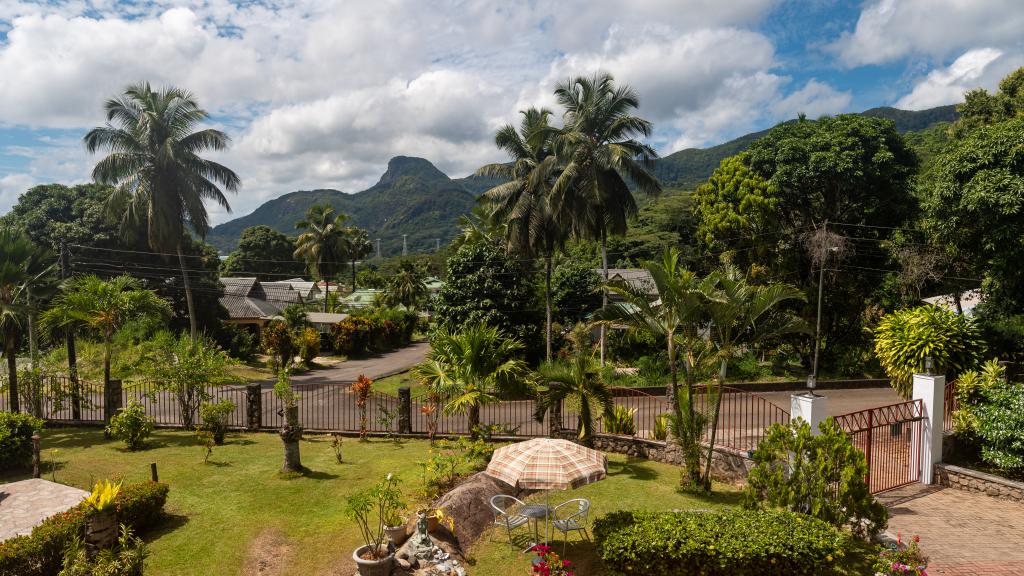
[[963, 533]]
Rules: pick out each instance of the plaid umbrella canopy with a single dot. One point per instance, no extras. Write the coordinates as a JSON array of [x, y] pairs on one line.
[[547, 464]]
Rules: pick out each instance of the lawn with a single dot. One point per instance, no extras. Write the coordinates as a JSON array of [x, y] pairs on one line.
[[235, 513], [391, 384]]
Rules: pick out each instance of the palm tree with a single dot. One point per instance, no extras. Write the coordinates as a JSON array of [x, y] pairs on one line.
[[477, 226], [471, 368], [103, 307], [320, 244], [407, 286], [523, 202], [355, 243], [160, 180], [743, 315], [601, 155], [15, 251], [577, 382], [675, 313]]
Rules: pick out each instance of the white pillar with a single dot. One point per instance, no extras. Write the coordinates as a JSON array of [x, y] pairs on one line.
[[931, 391], [812, 408]]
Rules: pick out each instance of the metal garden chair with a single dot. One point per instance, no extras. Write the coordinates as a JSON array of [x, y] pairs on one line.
[[577, 509], [504, 507]]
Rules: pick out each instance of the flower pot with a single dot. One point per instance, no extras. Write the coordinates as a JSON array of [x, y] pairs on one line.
[[397, 534], [366, 567], [101, 530]]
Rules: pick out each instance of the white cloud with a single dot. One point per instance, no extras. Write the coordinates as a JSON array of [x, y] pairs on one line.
[[982, 67], [814, 99], [888, 30]]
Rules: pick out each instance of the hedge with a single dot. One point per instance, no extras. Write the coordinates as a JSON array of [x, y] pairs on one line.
[[379, 331], [140, 506], [16, 439], [734, 543]]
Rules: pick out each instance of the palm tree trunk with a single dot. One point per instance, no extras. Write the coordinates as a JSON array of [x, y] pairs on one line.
[[473, 416], [12, 377], [193, 331], [76, 398], [353, 275], [33, 338], [327, 289], [604, 291], [547, 303], [714, 423], [670, 394]]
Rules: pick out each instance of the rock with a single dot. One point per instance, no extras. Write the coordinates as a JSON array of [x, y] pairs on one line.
[[469, 504]]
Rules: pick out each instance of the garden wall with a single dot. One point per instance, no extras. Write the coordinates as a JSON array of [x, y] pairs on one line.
[[727, 465], [973, 481]]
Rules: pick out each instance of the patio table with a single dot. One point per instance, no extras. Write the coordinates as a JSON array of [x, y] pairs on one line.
[[535, 512]]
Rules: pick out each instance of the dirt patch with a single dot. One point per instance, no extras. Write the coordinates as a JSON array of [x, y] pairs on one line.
[[269, 554]]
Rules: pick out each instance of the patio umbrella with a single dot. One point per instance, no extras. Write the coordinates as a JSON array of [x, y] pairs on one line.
[[547, 464]]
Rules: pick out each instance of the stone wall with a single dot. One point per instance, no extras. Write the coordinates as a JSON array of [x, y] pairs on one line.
[[973, 481], [727, 465]]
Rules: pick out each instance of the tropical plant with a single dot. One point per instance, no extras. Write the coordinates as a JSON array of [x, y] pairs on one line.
[[362, 388], [103, 307], [160, 181], [407, 286], [307, 341], [820, 475], [320, 245], [215, 417], [577, 383], [131, 425], [15, 251], [899, 559], [600, 155], [620, 420], [524, 202], [102, 496], [16, 431], [990, 415], [661, 424], [370, 509], [473, 367], [905, 338], [295, 317], [279, 342], [187, 371], [126, 558], [356, 245], [742, 315]]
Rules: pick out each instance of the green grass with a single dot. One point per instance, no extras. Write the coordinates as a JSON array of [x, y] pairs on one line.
[[391, 384], [235, 509]]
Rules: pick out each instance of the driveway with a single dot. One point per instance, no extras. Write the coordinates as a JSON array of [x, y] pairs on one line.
[[374, 367]]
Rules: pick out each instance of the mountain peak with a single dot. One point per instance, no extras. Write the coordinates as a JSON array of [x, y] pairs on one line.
[[406, 166]]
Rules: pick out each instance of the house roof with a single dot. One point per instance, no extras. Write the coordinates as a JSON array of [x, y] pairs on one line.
[[325, 317], [639, 278], [280, 294], [238, 285], [246, 308]]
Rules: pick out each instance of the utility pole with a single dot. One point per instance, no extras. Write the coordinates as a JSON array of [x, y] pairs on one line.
[[76, 399], [437, 244], [378, 248], [813, 379], [405, 249]]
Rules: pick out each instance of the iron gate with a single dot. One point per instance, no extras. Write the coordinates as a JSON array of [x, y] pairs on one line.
[[890, 438]]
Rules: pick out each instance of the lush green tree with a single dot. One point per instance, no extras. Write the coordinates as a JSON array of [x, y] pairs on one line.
[[575, 291], [485, 286], [320, 245], [15, 251], [264, 253], [475, 366], [160, 180], [295, 317], [370, 278], [983, 109], [356, 245], [407, 286], [533, 225], [187, 371], [102, 307], [478, 226], [278, 341], [601, 156], [664, 222], [578, 383]]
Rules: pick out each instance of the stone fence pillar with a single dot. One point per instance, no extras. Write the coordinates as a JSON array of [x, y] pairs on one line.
[[404, 410], [811, 407], [926, 449], [112, 400], [253, 407]]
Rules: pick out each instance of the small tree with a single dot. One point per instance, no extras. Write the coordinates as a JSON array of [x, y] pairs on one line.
[[215, 419], [187, 371], [279, 342], [290, 432], [307, 340], [131, 425], [905, 338], [362, 388], [578, 383], [822, 476]]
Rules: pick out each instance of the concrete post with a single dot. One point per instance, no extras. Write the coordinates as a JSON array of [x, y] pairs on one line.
[[253, 407], [927, 442], [404, 410], [811, 407]]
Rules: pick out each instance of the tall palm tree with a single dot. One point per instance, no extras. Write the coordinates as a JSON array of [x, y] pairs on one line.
[[356, 245], [103, 307], [161, 182], [741, 315], [15, 251], [524, 202], [578, 383], [472, 368], [320, 244], [407, 286], [601, 155], [478, 226], [676, 312]]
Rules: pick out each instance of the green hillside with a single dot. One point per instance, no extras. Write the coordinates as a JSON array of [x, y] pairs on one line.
[[413, 197]]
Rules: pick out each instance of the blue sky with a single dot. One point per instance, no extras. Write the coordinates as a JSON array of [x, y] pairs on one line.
[[321, 94]]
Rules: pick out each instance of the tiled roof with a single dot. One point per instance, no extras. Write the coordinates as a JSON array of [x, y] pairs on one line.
[[634, 277], [238, 286], [245, 308]]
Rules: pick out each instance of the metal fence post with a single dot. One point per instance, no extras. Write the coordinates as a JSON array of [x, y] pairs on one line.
[[404, 410], [112, 401], [253, 406]]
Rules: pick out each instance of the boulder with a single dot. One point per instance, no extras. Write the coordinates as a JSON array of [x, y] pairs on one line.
[[469, 504]]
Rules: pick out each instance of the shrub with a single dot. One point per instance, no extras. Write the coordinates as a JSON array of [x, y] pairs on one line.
[[660, 431], [41, 553], [823, 476], [619, 420], [352, 336], [905, 338], [277, 340], [131, 425], [991, 414], [901, 559], [215, 418], [127, 558], [16, 439], [735, 543], [652, 370], [308, 343]]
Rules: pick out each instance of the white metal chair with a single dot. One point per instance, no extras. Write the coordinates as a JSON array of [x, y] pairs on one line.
[[577, 509], [504, 508]]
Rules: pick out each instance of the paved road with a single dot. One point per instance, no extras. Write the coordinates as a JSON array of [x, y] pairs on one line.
[[374, 367]]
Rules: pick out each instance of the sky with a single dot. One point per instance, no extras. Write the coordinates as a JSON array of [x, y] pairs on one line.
[[321, 93]]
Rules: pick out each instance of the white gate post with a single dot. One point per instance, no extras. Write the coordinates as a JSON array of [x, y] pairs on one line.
[[811, 407], [926, 450]]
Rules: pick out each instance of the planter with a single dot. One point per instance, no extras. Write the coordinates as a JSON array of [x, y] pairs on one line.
[[101, 530], [397, 534], [380, 567]]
